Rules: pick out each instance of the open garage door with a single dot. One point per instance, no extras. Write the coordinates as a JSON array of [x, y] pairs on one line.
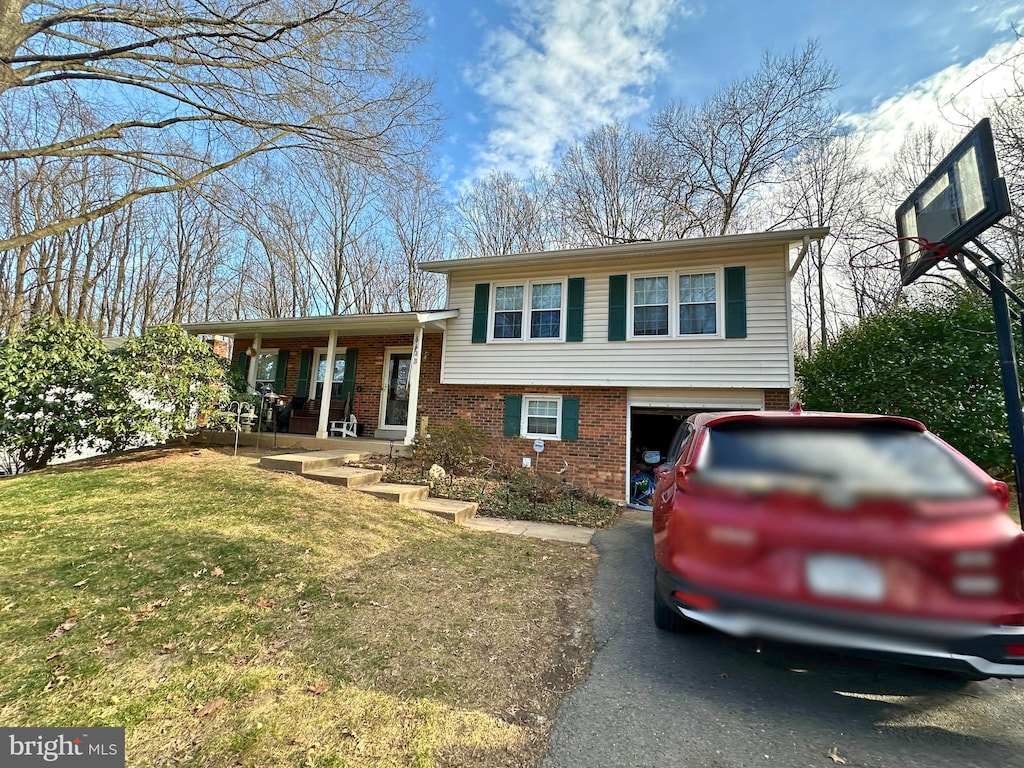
[[655, 415]]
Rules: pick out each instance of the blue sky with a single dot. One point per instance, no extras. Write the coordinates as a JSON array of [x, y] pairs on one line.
[[518, 79]]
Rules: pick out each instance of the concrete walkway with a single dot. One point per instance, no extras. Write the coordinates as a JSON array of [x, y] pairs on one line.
[[546, 531]]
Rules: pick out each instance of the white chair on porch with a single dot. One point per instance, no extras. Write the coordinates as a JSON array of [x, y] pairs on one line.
[[343, 428]]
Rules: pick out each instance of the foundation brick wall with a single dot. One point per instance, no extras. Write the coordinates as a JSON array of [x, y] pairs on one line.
[[776, 400], [597, 460]]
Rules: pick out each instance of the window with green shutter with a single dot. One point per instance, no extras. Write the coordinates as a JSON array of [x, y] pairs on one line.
[[570, 418], [481, 297], [281, 371], [574, 310], [513, 415], [735, 302], [617, 308], [305, 366]]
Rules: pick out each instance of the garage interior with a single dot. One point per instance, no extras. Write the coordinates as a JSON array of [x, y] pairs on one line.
[[652, 429]]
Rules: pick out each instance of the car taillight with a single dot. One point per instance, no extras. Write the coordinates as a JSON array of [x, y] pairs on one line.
[[1015, 650]]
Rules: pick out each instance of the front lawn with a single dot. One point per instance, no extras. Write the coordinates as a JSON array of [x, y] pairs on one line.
[[225, 615]]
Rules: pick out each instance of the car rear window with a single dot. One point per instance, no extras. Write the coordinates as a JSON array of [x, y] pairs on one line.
[[868, 458]]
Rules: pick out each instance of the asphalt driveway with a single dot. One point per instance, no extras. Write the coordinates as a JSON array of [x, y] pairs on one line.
[[657, 699]]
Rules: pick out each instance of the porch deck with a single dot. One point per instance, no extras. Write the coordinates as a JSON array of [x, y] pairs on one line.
[[289, 441]]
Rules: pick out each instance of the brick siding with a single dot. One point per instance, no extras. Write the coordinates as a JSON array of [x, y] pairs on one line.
[[776, 400], [596, 461]]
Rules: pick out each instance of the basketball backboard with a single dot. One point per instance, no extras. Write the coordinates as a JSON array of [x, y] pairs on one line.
[[960, 199]]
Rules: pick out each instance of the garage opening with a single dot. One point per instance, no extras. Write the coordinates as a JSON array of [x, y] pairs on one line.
[[650, 429]]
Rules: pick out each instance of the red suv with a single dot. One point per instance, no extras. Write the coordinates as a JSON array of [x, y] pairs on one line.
[[862, 533]]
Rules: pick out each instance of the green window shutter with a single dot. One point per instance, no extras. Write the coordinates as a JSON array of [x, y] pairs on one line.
[[242, 363], [348, 386], [617, 308], [570, 418], [513, 415], [305, 365], [735, 302], [281, 371], [481, 297], [574, 316]]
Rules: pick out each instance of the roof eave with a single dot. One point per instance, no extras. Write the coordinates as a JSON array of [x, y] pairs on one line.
[[750, 241]]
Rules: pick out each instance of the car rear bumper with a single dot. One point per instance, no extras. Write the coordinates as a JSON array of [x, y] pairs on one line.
[[938, 644]]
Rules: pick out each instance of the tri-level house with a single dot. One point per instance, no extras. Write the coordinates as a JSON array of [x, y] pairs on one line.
[[596, 352]]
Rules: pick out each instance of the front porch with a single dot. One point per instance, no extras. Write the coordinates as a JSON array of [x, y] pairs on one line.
[[282, 441], [355, 374]]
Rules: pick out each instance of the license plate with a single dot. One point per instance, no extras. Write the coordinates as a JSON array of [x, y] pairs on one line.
[[843, 576]]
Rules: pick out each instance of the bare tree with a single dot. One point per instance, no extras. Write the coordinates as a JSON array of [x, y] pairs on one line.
[[501, 214], [606, 191], [827, 185], [236, 80], [418, 216], [342, 197], [746, 133]]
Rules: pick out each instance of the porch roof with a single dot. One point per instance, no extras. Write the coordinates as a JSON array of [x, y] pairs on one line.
[[346, 325]]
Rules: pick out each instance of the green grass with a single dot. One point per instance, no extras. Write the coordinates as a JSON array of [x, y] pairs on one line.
[[320, 626]]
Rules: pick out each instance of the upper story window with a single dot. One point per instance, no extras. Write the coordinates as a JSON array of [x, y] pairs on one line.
[[698, 307], [539, 304], [508, 312], [650, 306], [675, 304]]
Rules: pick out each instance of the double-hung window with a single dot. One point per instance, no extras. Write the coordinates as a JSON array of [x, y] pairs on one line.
[[528, 310], [650, 306], [508, 312], [675, 304], [698, 307], [266, 370], [541, 416]]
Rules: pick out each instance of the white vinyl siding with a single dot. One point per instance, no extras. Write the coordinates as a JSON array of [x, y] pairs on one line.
[[763, 359]]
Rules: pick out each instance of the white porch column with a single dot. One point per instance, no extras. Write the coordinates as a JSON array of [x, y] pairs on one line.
[[254, 359], [325, 397], [414, 383]]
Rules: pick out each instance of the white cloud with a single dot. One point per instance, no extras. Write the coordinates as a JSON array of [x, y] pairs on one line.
[[952, 100], [562, 68]]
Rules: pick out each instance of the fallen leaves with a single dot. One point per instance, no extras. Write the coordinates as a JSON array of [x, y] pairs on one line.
[[834, 754], [211, 707], [318, 688], [218, 571], [64, 627]]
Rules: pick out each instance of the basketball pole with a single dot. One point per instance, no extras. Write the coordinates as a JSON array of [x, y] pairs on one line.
[[998, 291]]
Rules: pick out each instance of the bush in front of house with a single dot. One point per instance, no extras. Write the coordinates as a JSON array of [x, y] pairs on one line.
[[62, 391]]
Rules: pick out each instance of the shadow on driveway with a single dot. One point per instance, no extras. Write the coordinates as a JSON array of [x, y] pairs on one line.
[[705, 699]]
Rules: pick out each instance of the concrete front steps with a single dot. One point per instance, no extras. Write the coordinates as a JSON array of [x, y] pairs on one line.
[[330, 467]]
